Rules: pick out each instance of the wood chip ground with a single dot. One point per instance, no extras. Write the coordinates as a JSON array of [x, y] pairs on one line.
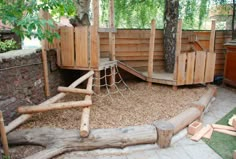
[[142, 105]]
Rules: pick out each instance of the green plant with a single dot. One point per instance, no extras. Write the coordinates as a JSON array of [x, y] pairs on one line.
[[8, 45], [6, 157]]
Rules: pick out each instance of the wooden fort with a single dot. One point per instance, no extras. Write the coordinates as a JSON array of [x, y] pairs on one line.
[[139, 52]]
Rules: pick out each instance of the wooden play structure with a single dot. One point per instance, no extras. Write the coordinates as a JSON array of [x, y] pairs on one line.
[[138, 52], [58, 141]]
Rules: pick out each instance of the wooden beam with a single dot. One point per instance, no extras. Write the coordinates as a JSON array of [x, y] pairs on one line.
[[218, 126], [21, 119], [55, 106], [212, 37], [151, 51], [178, 46], [112, 26], [95, 40], [97, 82], [74, 90], [227, 132], [84, 126], [201, 133], [107, 30], [4, 136]]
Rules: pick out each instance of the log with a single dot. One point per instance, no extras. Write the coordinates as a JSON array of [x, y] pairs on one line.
[[21, 119], [4, 136], [84, 127], [227, 132], [74, 90], [55, 106], [234, 123], [58, 141], [165, 132], [218, 126], [205, 99], [185, 118]]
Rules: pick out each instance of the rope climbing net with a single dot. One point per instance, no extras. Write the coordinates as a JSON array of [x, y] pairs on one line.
[[117, 87]]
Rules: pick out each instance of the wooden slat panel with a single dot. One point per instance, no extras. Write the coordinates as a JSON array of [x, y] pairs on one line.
[[210, 67], [200, 67], [181, 63], [190, 68], [67, 46], [81, 46]]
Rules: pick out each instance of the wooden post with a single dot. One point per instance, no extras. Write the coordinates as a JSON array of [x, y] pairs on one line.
[[112, 43], [151, 51], [95, 41], [45, 72], [165, 131], [3, 136], [84, 127], [97, 82], [45, 45], [212, 38], [178, 46]]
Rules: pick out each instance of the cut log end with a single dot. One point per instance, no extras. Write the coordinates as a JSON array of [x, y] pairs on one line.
[[165, 131]]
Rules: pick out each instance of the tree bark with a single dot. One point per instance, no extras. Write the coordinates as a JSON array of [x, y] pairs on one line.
[[82, 13], [233, 21], [170, 27], [58, 141]]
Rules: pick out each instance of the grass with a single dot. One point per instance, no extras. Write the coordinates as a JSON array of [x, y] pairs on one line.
[[223, 144]]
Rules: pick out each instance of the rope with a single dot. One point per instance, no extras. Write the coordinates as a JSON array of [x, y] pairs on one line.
[[114, 85]]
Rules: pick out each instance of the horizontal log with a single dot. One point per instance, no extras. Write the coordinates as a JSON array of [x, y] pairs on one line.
[[183, 119], [227, 132], [218, 126], [55, 106], [74, 90], [205, 99], [60, 140]]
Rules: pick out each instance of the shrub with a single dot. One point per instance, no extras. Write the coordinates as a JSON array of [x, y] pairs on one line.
[[8, 45]]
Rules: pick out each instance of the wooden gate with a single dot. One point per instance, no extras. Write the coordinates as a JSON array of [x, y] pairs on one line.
[[195, 67]]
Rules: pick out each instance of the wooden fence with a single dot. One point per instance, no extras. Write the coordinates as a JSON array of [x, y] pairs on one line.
[[195, 67], [132, 47]]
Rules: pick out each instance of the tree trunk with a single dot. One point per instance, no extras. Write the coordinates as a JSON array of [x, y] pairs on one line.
[[82, 13], [58, 141], [170, 28], [233, 21]]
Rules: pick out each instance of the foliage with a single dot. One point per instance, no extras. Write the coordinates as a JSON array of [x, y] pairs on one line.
[[8, 45], [23, 15]]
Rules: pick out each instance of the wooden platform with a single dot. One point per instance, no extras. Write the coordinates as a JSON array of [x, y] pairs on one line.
[[104, 63], [160, 77]]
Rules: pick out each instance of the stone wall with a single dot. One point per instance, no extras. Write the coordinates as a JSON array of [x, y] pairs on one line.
[[22, 81]]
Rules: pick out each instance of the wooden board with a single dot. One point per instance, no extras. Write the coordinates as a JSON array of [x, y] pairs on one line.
[[181, 69], [200, 67], [81, 46], [95, 44], [210, 67], [67, 46], [190, 68]]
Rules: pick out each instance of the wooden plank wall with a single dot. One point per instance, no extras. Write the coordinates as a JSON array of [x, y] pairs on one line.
[[132, 47]]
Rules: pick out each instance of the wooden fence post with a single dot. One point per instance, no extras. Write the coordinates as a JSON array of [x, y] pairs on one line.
[[4, 136], [151, 51]]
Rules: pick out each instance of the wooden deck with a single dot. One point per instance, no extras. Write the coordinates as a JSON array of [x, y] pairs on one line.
[[158, 77]]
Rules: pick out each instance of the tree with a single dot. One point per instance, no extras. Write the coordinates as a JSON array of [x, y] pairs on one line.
[[170, 28], [23, 16], [82, 13]]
